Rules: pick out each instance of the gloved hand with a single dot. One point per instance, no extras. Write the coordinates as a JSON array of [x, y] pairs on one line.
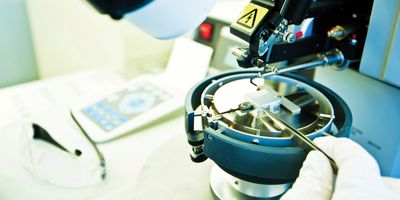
[[358, 176]]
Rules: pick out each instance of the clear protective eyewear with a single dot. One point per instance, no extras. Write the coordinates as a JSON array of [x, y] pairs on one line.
[[51, 162]]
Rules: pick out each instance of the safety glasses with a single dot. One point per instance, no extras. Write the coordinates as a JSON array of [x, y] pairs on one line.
[[51, 162]]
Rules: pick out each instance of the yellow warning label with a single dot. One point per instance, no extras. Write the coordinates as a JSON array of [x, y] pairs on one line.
[[250, 17]]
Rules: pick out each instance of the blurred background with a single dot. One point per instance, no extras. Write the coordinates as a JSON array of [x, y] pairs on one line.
[[45, 38]]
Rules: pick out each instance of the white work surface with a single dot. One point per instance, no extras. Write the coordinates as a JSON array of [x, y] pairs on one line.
[[125, 157]]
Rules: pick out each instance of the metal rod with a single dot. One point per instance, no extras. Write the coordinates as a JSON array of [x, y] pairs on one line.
[[332, 58]]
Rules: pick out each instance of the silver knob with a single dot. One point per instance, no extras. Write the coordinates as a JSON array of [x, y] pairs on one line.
[[289, 37]]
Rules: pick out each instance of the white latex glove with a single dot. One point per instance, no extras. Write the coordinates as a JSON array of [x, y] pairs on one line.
[[358, 176]]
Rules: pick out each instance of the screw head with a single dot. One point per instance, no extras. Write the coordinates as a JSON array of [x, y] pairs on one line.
[[290, 38], [255, 141]]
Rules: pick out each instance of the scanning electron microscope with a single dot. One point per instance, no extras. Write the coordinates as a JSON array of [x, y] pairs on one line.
[[249, 121]]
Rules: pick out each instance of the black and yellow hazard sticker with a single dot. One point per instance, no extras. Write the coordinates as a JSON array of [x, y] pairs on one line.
[[250, 17]]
